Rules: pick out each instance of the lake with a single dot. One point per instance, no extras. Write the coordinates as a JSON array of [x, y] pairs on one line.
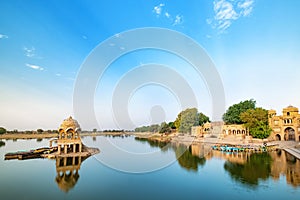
[[127, 168]]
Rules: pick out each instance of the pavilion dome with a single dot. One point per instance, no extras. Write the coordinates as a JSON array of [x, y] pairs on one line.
[[69, 123]]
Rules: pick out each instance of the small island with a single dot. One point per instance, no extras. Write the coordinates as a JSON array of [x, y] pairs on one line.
[[69, 144]]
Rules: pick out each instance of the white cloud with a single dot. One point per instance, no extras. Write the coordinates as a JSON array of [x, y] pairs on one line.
[[178, 20], [36, 67], [2, 36], [58, 74], [228, 11], [167, 15], [29, 52], [157, 9], [246, 7]]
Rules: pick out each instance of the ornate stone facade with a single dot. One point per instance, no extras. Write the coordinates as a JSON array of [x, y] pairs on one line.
[[286, 126], [220, 129], [68, 137]]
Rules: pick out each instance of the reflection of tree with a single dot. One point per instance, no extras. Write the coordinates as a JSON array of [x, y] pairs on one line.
[[183, 153], [2, 143], [258, 166], [186, 159], [154, 143]]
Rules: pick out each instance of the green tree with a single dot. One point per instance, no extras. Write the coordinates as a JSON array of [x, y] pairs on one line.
[[189, 118], [178, 121], [256, 120], [2, 130], [261, 131], [39, 130], [94, 130], [202, 119], [164, 128], [232, 115], [172, 125]]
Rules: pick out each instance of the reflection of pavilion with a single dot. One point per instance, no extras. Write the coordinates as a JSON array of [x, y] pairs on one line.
[[67, 169]]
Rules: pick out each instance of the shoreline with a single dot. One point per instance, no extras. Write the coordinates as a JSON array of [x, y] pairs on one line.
[[175, 137]]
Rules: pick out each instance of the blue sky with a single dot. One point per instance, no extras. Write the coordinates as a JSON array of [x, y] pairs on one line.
[[254, 44]]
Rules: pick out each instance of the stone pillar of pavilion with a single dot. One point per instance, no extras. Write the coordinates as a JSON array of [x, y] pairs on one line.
[[69, 137]]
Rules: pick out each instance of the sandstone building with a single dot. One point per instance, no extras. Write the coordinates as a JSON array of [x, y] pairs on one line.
[[285, 126]]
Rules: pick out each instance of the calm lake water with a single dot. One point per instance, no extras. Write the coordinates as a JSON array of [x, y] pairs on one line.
[[197, 174]]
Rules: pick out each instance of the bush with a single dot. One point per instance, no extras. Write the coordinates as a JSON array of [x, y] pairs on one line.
[[2, 130]]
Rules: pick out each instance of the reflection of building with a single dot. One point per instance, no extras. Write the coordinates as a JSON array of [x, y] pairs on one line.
[[285, 126], [67, 169], [233, 157], [285, 164], [69, 138], [200, 150]]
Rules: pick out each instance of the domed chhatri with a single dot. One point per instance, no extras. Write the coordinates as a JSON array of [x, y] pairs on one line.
[[69, 137], [69, 123]]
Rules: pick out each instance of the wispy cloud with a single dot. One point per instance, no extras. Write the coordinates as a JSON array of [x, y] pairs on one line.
[[228, 11], [246, 7], [36, 67], [167, 15], [178, 20], [158, 9], [29, 51], [2, 36]]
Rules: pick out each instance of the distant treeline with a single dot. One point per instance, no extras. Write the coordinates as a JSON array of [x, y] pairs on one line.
[[38, 131], [151, 128]]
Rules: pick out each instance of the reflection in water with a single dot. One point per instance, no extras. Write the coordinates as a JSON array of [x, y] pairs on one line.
[[244, 167], [67, 171], [2, 143], [261, 166], [39, 139], [257, 166], [186, 159], [288, 165]]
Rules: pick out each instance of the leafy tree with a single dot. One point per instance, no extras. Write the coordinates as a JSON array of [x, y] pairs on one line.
[[2, 130], [178, 121], [232, 115], [94, 130], [261, 131], [172, 125], [164, 128], [39, 130], [256, 120], [202, 119], [189, 118], [152, 128]]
